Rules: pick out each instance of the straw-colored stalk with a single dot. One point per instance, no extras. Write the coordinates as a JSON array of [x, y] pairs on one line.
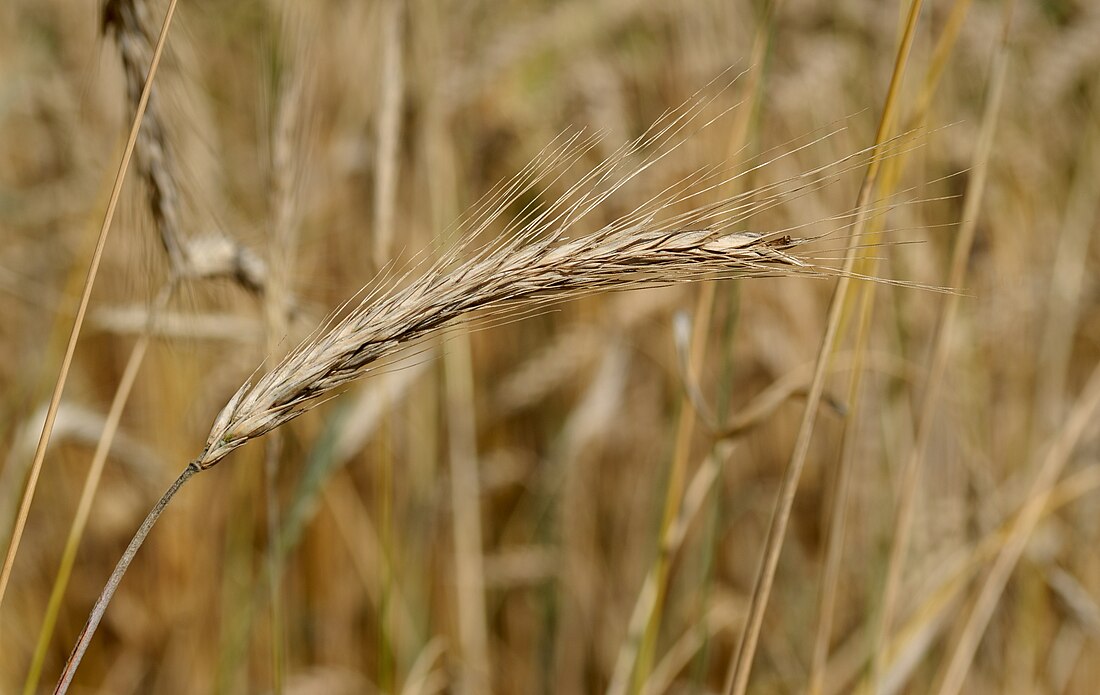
[[82, 308], [737, 676]]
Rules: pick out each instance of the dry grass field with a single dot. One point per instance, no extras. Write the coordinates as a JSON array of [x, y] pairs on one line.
[[571, 346]]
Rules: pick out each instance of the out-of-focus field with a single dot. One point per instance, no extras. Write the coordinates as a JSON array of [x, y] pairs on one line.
[[482, 516]]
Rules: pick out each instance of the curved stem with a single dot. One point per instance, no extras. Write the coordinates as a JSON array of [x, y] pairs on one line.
[[91, 486], [113, 581]]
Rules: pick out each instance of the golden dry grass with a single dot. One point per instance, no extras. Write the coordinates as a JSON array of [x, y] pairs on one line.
[[569, 496]]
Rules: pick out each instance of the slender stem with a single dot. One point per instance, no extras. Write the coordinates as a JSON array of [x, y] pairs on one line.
[[696, 353], [78, 322], [113, 581], [466, 502], [941, 351], [737, 677], [91, 485], [704, 309], [272, 455]]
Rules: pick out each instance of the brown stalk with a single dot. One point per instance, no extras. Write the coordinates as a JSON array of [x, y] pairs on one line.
[[388, 130], [737, 679]]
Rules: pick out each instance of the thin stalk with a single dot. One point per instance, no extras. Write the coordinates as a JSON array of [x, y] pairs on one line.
[[466, 502], [388, 132], [88, 493], [911, 471], [685, 428], [384, 493], [272, 455], [741, 666], [111, 586], [82, 309], [839, 508]]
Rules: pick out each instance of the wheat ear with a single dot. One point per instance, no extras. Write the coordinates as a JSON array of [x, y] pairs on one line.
[[535, 261], [128, 22], [626, 258]]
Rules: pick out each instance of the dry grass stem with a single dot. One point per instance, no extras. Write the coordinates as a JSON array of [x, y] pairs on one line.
[[910, 473], [466, 530], [78, 322], [388, 129], [111, 586], [741, 665]]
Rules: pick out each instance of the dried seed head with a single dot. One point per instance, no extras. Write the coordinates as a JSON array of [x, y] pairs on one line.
[[538, 260], [620, 259]]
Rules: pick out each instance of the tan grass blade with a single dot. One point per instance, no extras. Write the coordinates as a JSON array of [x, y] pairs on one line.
[[842, 479], [78, 322], [737, 679], [910, 472], [466, 530], [87, 494], [389, 130]]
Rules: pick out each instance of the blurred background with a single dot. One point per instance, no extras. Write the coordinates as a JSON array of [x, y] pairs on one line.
[[538, 505]]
